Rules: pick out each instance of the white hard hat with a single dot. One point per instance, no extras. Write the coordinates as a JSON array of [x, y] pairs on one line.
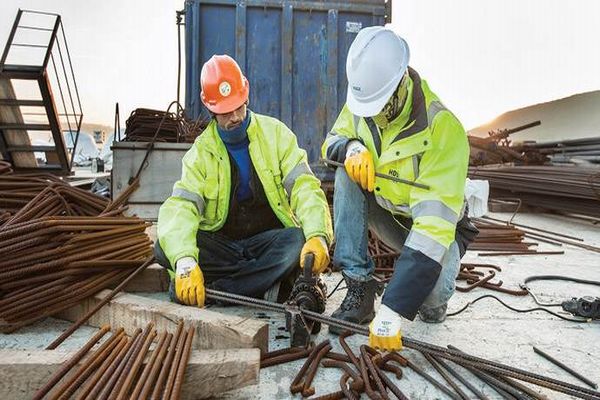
[[377, 60]]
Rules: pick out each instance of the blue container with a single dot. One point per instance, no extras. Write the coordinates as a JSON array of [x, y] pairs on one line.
[[293, 53]]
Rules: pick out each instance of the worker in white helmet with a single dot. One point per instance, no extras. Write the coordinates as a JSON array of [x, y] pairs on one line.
[[394, 124]]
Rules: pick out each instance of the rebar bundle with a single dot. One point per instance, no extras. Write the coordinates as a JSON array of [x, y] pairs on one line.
[[565, 189], [52, 263], [577, 151], [52, 196], [494, 237], [60, 245], [124, 367], [142, 124]]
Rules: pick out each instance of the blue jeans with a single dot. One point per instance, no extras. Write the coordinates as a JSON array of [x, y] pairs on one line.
[[354, 212], [249, 266]]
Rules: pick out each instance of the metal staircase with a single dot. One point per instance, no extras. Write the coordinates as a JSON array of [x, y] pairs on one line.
[[35, 66]]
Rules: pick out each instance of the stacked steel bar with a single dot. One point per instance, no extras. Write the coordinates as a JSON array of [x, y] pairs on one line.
[[17, 193], [52, 263], [494, 237], [142, 124], [125, 368], [60, 247], [564, 189], [578, 151]]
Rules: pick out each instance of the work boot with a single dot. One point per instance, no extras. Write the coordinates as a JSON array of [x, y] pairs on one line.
[[433, 315], [358, 305]]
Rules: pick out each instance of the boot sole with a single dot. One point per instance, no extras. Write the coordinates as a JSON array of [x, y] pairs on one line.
[[338, 331]]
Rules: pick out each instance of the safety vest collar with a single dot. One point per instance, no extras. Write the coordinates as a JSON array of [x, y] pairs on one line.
[[417, 121]]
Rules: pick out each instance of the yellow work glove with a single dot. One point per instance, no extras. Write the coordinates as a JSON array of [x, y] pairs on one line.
[[318, 247], [189, 282], [384, 331], [359, 165]]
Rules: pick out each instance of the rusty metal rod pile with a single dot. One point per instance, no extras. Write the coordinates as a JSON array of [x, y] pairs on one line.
[[142, 124], [123, 367], [565, 189], [52, 263], [475, 278], [51, 196], [62, 246], [489, 366], [494, 237], [577, 151], [378, 374], [555, 238]]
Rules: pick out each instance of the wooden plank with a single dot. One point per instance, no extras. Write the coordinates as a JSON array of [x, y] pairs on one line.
[[213, 330], [209, 372], [12, 115]]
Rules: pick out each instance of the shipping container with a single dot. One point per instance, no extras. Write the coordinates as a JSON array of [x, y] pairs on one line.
[[293, 53]]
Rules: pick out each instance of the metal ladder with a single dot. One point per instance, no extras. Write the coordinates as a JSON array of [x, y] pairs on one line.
[[54, 73]]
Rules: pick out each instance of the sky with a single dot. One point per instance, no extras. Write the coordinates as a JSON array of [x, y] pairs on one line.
[[482, 58]]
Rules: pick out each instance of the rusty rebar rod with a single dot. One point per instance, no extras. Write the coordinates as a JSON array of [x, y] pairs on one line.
[[155, 367], [81, 375], [91, 383], [98, 306], [120, 365], [296, 386], [307, 389], [173, 371], [565, 368], [444, 374], [176, 392], [167, 366], [137, 362], [64, 369], [139, 384]]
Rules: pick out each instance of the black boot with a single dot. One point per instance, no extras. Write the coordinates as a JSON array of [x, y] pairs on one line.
[[358, 305]]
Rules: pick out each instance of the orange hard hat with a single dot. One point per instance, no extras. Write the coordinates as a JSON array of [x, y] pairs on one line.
[[224, 87]]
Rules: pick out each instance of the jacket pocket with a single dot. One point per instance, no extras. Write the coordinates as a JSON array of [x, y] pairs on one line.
[[211, 197]]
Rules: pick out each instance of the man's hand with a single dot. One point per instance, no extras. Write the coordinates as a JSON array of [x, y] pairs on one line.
[[318, 247], [189, 282], [384, 331], [359, 165]]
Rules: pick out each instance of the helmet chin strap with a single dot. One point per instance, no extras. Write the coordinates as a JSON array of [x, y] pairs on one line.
[[395, 104]]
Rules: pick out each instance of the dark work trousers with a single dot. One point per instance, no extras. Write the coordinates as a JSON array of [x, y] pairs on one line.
[[249, 266]]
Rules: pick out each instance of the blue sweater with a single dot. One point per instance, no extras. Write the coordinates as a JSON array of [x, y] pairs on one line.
[[236, 141]]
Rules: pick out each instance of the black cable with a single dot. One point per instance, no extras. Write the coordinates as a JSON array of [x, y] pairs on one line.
[[559, 278], [528, 310], [336, 288], [552, 278]]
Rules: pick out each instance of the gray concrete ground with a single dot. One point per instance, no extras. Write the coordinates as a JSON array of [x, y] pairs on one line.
[[486, 329]]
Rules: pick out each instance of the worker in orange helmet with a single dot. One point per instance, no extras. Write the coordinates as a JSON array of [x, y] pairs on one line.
[[247, 208]]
